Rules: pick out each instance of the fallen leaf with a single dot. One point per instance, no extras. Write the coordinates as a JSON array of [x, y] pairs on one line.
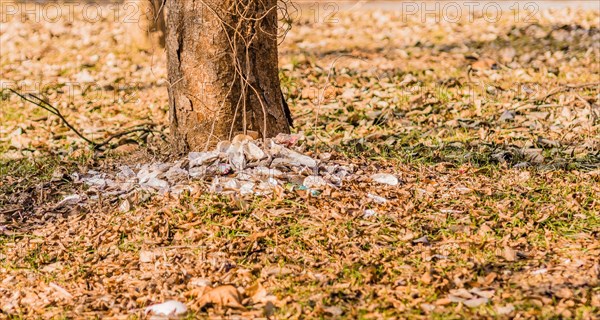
[[504, 310], [333, 310], [474, 303], [484, 64], [508, 253], [224, 296], [258, 294], [61, 291]]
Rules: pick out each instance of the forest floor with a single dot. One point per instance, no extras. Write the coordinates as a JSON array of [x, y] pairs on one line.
[[492, 127]]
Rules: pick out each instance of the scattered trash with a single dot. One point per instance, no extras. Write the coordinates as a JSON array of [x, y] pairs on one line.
[[242, 165], [157, 184], [253, 152], [148, 256], [369, 213], [61, 291], [168, 308], [84, 76], [247, 188], [522, 165], [314, 182], [539, 271], [125, 206], [472, 298], [408, 79], [293, 158], [483, 293], [325, 156], [200, 282], [422, 240], [176, 174], [126, 173], [474, 303], [376, 198], [508, 309], [333, 310], [385, 178], [96, 181], [201, 158], [288, 140], [427, 307], [235, 155], [70, 200], [548, 143]]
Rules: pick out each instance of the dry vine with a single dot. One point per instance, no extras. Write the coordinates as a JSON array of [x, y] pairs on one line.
[[99, 146], [241, 23]]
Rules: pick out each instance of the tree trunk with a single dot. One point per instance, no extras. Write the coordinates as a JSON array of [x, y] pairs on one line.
[[223, 74]]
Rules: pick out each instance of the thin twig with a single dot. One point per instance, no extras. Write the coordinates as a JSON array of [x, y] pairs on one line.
[[567, 87], [50, 108], [122, 133]]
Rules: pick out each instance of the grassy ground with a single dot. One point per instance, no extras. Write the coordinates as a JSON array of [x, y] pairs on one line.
[[492, 127]]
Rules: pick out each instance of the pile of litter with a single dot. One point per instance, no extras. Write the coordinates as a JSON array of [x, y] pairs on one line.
[[241, 166]]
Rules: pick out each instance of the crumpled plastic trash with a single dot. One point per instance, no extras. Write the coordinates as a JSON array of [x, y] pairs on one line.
[[385, 178], [241, 166], [167, 308]]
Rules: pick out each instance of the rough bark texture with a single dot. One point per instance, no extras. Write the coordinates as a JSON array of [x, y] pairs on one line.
[[158, 23], [222, 66]]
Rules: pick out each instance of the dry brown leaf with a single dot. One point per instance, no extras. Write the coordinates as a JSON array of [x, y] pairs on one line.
[[61, 291], [223, 296], [484, 64], [258, 294], [508, 253]]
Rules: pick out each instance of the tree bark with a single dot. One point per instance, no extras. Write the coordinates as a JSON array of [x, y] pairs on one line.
[[222, 71]]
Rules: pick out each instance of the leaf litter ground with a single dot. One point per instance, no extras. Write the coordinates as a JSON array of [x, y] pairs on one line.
[[491, 129]]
